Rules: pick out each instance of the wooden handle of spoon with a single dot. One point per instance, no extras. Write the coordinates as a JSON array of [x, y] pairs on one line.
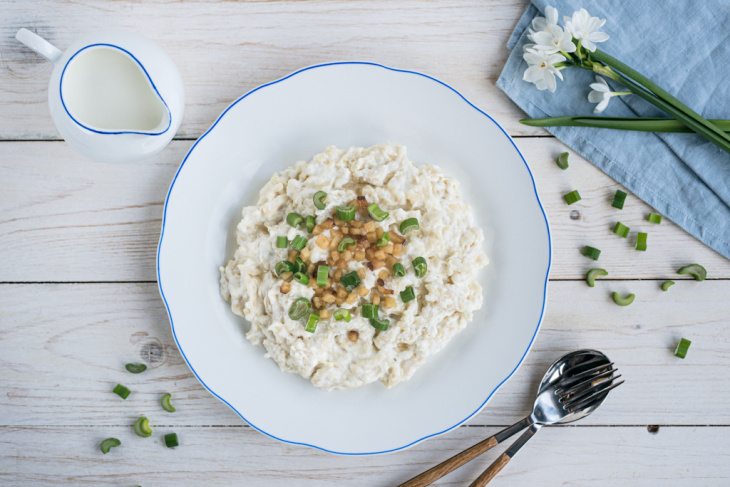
[[430, 476], [492, 471]]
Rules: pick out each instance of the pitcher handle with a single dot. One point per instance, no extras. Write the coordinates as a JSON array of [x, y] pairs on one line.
[[39, 45]]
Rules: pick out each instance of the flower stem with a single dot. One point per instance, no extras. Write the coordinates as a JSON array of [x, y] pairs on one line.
[[638, 124]]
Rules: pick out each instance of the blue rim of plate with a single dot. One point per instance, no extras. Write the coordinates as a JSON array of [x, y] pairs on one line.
[[537, 197]]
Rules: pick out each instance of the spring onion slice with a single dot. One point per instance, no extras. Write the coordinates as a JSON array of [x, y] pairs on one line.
[[399, 270], [135, 368], [346, 213], [593, 274], [376, 213], [591, 252], [383, 241], [312, 323], [323, 273], [344, 243], [310, 222], [408, 294], [350, 281], [318, 199], [420, 266], [408, 224], [165, 402], [380, 325], [695, 270], [563, 161], [342, 314], [621, 230], [298, 243], [619, 199], [623, 301], [301, 278], [281, 242], [171, 440], [108, 444], [369, 310], [572, 197], [641, 241], [283, 266], [299, 308], [142, 427], [121, 391], [294, 219], [654, 218], [666, 285], [299, 265], [682, 347]]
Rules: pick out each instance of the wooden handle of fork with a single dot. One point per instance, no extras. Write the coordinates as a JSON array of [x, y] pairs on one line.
[[429, 476], [492, 471]]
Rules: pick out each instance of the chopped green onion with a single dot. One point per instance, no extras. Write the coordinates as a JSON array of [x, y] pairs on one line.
[[563, 161], [299, 265], [323, 273], [593, 274], [572, 197], [654, 218], [318, 198], [294, 219], [369, 310], [312, 323], [299, 243], [142, 427], [682, 347], [344, 243], [135, 368], [383, 241], [376, 213], [310, 222], [399, 270], [381, 325], [171, 440], [666, 285], [283, 266], [408, 294], [346, 213], [165, 401], [121, 391], [409, 224], [301, 278], [695, 270], [591, 252], [108, 444], [641, 241], [342, 314], [621, 230], [623, 301], [350, 281], [281, 242], [299, 308], [619, 199], [420, 266]]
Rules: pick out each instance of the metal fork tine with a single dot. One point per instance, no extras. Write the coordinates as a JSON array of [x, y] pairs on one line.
[[594, 398], [586, 373], [566, 391], [591, 392]]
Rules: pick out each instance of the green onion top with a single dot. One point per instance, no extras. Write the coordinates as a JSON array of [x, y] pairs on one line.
[[641, 241], [312, 323], [318, 199], [619, 199], [408, 294], [142, 427], [281, 242], [591, 252], [301, 278], [323, 273], [666, 285], [408, 224], [342, 314], [165, 402], [695, 270], [563, 161], [294, 219], [299, 265], [420, 266], [621, 230], [299, 243], [369, 310], [171, 440], [299, 308], [399, 270], [350, 281], [283, 266], [346, 213], [572, 197], [380, 325], [121, 391], [654, 218], [623, 301], [682, 348], [376, 213], [310, 222], [135, 368], [383, 241], [593, 274], [344, 243], [108, 444]]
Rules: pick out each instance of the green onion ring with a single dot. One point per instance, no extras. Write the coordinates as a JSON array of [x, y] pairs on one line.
[[108, 444], [380, 325], [298, 243], [346, 213], [323, 273], [383, 241], [318, 199], [312, 323], [299, 308], [399, 270], [408, 224], [408, 294], [171, 440], [142, 427], [344, 243], [682, 347], [135, 368], [695, 270], [342, 314], [420, 266], [294, 219], [621, 230], [563, 160], [654, 218], [299, 265], [283, 266], [376, 213], [641, 241], [165, 402], [666, 285], [572, 197], [121, 391], [369, 310], [281, 242], [350, 281], [619, 199], [591, 252], [593, 274], [310, 222], [623, 301], [301, 278]]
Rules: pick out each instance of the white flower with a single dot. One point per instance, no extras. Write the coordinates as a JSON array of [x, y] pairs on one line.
[[585, 28], [541, 23], [553, 39], [540, 69]]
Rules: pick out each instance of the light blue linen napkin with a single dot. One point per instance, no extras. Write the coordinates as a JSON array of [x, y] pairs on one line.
[[682, 45]]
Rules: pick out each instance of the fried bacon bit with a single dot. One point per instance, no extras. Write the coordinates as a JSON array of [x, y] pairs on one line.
[[371, 266], [362, 241], [353, 335], [383, 290], [362, 202], [327, 224], [381, 282]]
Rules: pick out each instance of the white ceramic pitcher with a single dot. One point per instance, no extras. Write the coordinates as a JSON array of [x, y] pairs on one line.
[[114, 96]]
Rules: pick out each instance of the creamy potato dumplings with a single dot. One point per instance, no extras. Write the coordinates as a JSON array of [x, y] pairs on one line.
[[356, 266]]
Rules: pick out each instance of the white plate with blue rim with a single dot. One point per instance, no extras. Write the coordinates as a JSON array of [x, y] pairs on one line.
[[291, 119]]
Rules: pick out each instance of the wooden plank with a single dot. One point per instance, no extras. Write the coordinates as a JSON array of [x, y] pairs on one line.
[[65, 345], [89, 221], [674, 456], [225, 49]]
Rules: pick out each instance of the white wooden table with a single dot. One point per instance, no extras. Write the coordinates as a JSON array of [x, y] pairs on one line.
[[78, 297]]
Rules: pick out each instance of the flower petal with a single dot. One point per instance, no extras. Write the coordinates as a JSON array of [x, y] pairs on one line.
[[595, 97], [598, 36], [602, 106], [551, 15], [550, 81], [532, 74]]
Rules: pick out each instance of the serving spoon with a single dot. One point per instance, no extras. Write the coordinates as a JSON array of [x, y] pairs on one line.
[[571, 389]]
